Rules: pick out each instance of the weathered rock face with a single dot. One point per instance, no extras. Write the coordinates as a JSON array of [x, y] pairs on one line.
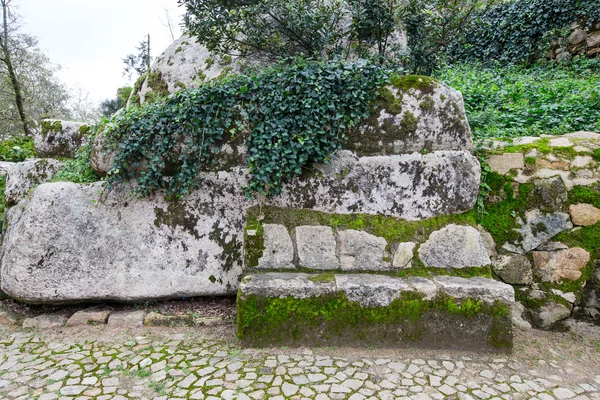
[[584, 214], [514, 269], [24, 176], [550, 314], [184, 64], [555, 266], [538, 228], [60, 138], [454, 247], [416, 114], [83, 247], [411, 186]]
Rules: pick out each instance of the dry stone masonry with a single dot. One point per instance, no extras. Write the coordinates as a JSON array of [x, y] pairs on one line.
[[549, 232]]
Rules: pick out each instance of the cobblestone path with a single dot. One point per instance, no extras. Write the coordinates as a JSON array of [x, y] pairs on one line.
[[171, 364]]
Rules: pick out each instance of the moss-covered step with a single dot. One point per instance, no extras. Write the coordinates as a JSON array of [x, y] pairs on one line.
[[364, 310]]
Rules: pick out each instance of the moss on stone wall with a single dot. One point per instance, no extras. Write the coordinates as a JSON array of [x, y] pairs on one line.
[[393, 230], [334, 320]]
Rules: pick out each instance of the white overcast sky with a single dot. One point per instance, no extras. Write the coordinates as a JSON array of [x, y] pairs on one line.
[[89, 38]]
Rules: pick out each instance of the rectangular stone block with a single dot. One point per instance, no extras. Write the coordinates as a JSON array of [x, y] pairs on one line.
[[316, 247], [359, 310]]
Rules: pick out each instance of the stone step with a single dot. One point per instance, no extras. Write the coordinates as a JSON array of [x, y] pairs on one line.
[[358, 310]]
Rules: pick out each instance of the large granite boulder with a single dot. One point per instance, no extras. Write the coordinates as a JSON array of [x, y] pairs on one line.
[[83, 245], [60, 138], [184, 64], [24, 176]]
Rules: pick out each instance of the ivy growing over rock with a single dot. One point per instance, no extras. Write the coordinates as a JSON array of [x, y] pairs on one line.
[[288, 117]]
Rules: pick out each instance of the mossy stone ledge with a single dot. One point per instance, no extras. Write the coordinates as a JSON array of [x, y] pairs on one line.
[[293, 309]]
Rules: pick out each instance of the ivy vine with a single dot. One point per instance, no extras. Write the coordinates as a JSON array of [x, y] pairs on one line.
[[287, 116], [516, 31]]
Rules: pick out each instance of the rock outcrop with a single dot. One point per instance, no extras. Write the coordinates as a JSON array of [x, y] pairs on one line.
[[22, 177], [60, 138]]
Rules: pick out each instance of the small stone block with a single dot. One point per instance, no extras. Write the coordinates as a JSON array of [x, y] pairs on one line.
[[278, 250], [88, 318], [156, 319], [361, 251], [46, 321], [503, 163], [127, 319], [316, 247], [404, 254], [584, 214]]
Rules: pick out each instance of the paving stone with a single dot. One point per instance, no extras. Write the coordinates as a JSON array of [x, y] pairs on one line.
[[156, 319], [46, 321], [127, 319], [88, 317]]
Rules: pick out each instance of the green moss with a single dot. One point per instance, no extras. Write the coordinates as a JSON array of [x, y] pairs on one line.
[[427, 105], [225, 60], [322, 278], [51, 126], [424, 84], [178, 49], [596, 155], [201, 76], [209, 63], [334, 319], [180, 84], [409, 123], [253, 243], [442, 97], [158, 84], [212, 279], [500, 217], [387, 101], [85, 130]]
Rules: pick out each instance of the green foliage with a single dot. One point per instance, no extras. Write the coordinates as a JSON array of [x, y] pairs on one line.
[[515, 101], [78, 169], [517, 31], [16, 149], [289, 117], [275, 29], [432, 26]]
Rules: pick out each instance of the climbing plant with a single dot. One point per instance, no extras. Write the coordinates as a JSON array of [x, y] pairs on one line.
[[288, 117], [515, 31]]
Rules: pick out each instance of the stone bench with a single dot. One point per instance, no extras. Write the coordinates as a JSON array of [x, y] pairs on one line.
[[362, 310]]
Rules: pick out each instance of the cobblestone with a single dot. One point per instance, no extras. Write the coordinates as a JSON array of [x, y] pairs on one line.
[[194, 365]]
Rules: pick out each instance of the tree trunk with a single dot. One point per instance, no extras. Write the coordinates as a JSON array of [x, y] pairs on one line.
[[7, 59]]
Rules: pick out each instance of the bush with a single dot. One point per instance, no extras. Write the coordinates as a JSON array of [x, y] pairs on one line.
[[518, 101], [516, 31], [16, 149]]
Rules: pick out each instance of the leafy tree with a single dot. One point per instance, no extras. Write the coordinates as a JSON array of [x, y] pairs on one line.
[[277, 29], [432, 26], [140, 61], [109, 107], [29, 88]]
